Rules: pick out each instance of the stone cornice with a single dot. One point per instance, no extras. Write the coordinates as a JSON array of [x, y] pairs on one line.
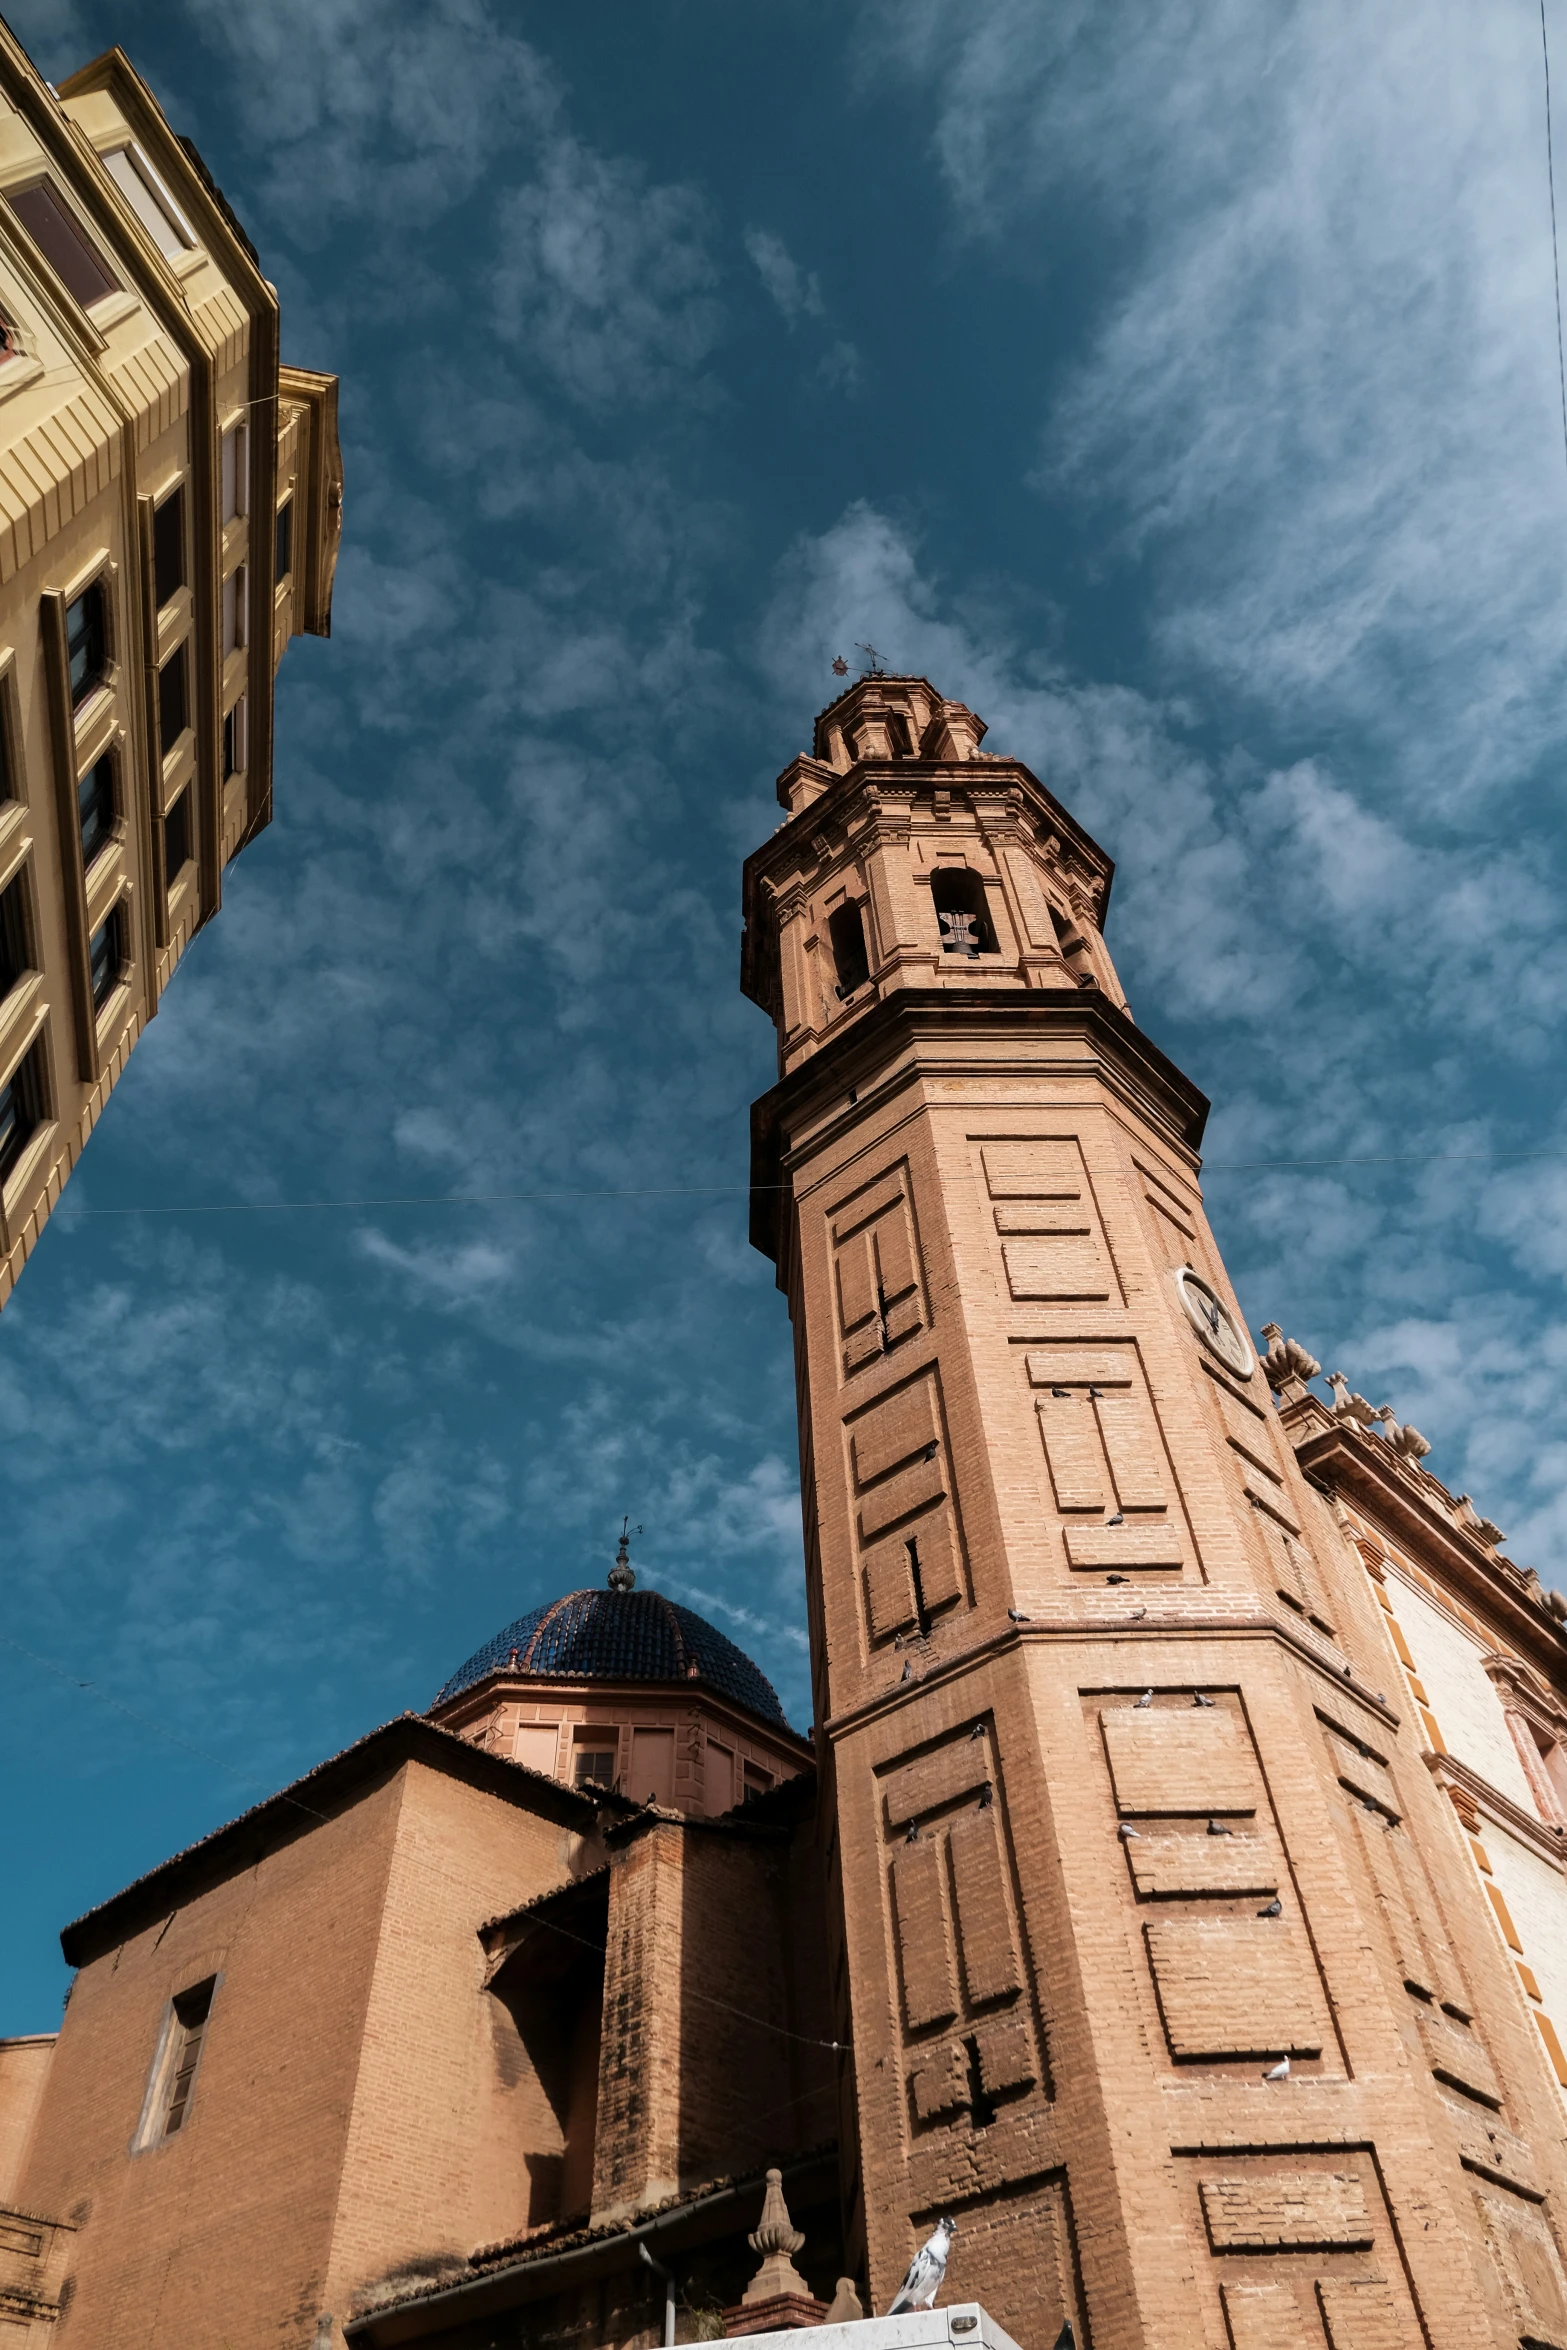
[[878, 1045], [1448, 1771], [1415, 1512]]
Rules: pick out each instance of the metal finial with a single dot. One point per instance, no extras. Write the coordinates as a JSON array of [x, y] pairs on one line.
[[622, 1575], [874, 658]]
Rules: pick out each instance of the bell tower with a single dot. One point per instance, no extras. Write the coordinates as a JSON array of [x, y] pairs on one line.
[[1130, 1850]]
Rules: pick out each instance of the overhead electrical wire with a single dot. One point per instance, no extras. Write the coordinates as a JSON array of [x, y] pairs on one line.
[[1556, 267], [482, 1199]]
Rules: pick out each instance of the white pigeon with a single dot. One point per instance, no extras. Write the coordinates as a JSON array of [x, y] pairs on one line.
[[1279, 2071], [1144, 1702], [926, 2270]]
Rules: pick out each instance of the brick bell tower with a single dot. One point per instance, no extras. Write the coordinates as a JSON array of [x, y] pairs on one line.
[[1116, 1812]]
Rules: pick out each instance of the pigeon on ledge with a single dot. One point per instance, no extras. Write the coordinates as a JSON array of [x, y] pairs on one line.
[[1117, 1520], [1144, 1702], [1275, 1909], [1199, 1699], [1015, 1615], [1279, 2071], [926, 2270], [1129, 1835], [1065, 2339], [1217, 1828]]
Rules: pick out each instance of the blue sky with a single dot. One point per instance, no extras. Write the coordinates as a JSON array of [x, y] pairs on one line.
[[1182, 394]]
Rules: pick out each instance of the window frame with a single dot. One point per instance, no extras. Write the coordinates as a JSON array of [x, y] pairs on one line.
[[29, 1076], [182, 799], [117, 928], [18, 931], [236, 609], [13, 772], [283, 540], [158, 195], [114, 829], [97, 583], [235, 437], [176, 660], [174, 496], [173, 2042], [236, 738], [88, 245]]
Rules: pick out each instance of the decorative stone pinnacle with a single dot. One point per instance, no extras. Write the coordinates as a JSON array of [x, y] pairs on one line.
[[776, 2232], [1286, 1365]]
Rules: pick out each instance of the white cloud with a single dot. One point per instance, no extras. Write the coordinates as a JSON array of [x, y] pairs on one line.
[[795, 290], [607, 279], [1321, 399]]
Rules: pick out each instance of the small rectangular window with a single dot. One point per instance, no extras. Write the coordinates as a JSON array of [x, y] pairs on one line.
[[234, 469], [188, 2029], [15, 960], [87, 641], [21, 1110], [285, 540], [106, 953], [61, 243], [168, 547], [757, 1781], [95, 802], [178, 846], [593, 1763], [8, 790], [150, 200], [173, 703], [236, 743], [235, 598]]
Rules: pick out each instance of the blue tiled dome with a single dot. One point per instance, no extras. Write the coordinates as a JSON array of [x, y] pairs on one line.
[[620, 1636]]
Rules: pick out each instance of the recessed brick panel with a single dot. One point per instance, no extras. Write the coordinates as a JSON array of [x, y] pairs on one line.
[[1268, 2317], [1315, 2210], [924, 1944], [1177, 1758], [1362, 2313], [1231, 1987], [991, 1969]]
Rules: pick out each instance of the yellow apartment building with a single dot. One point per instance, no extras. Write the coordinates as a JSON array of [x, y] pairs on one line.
[[170, 509]]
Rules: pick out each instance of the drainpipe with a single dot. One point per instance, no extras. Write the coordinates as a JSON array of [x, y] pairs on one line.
[[660, 2270]]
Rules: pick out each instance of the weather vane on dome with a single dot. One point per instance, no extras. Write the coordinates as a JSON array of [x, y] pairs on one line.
[[874, 658], [622, 1575]]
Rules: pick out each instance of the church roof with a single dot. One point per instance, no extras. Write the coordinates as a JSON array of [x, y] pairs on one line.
[[620, 1636]]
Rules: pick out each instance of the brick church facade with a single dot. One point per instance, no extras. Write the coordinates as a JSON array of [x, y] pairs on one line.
[[1172, 1888]]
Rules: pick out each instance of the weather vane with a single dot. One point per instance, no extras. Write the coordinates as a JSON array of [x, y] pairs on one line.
[[873, 657]]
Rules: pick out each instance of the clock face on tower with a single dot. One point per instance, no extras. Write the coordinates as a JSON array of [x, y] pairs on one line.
[[1214, 1324]]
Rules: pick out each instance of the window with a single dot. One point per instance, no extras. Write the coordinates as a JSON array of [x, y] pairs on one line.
[[236, 740], [285, 540], [174, 2067], [846, 934], [178, 846], [899, 741], [235, 598], [10, 341], [150, 200], [168, 547], [21, 1110], [961, 913], [15, 960], [173, 714], [593, 1763], [234, 469], [95, 802], [757, 1781], [106, 954], [87, 641], [61, 243], [8, 790]]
